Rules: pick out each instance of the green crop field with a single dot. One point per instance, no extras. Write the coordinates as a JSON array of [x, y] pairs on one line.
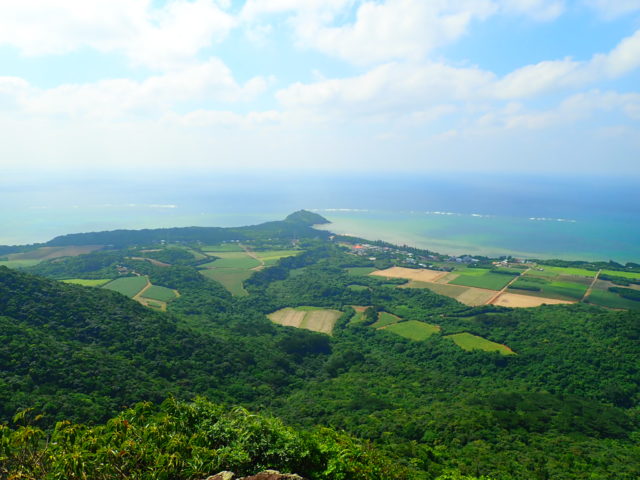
[[19, 263], [488, 280], [631, 275], [385, 319], [223, 247], [239, 260], [413, 330], [360, 271], [129, 286], [162, 294], [271, 257], [565, 271], [230, 278], [469, 342], [560, 290], [611, 300], [88, 283], [358, 288], [472, 272]]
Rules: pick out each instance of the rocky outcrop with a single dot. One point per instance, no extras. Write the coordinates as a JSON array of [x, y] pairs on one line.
[[266, 475]]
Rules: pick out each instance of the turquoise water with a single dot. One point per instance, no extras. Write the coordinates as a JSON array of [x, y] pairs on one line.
[[573, 218]]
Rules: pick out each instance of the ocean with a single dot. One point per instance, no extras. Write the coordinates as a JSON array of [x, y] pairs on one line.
[[588, 218]]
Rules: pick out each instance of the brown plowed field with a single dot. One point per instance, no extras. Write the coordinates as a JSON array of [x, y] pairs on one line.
[[316, 320], [417, 274], [513, 300]]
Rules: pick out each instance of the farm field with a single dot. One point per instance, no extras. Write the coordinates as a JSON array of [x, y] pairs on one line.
[[470, 342], [129, 286], [88, 282], [413, 330], [360, 271], [222, 247], [271, 257], [514, 300], [19, 263], [631, 275], [233, 260], [48, 253], [554, 271], [358, 288], [230, 278], [486, 279], [553, 289], [475, 296], [385, 319], [468, 295], [310, 318], [162, 294], [359, 316], [420, 275], [608, 299]]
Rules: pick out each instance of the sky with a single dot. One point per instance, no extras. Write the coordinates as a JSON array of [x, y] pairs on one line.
[[491, 86]]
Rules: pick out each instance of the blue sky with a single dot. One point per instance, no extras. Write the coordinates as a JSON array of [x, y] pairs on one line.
[[526, 86]]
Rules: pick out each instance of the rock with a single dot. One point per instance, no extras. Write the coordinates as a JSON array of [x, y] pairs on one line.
[[273, 475], [265, 475], [222, 476]]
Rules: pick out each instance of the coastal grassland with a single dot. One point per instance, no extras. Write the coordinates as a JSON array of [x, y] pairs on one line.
[[413, 330], [230, 278], [514, 300], [222, 247], [271, 257], [88, 282], [385, 319], [310, 318], [360, 271], [162, 294], [238, 260], [129, 286], [608, 299], [486, 279], [469, 342]]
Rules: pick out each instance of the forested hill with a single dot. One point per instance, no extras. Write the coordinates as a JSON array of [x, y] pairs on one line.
[[296, 225], [564, 406]]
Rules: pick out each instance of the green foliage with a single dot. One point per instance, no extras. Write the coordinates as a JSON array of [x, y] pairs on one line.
[[185, 441]]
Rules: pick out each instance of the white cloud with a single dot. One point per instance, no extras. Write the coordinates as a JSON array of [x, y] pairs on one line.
[[614, 8], [225, 118], [557, 74], [392, 88], [155, 37], [571, 111], [542, 10], [211, 80]]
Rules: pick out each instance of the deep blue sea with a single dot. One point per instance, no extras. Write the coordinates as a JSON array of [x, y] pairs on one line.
[[572, 218]]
